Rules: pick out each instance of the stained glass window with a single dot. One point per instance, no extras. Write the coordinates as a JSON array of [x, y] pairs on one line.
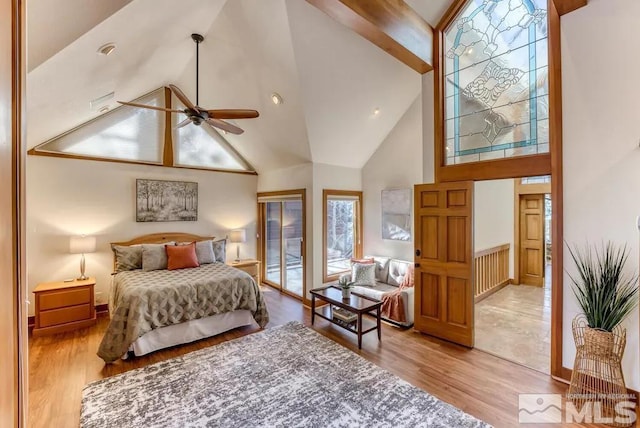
[[496, 81]]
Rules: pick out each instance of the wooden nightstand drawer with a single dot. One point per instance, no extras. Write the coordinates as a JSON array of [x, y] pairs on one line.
[[251, 270], [64, 306], [250, 266], [65, 315], [62, 298]]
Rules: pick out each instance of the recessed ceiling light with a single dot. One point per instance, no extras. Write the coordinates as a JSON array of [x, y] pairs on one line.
[[276, 98], [107, 49], [376, 111], [103, 109]]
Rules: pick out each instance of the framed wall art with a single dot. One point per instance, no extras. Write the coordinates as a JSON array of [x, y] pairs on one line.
[[159, 200], [396, 214]]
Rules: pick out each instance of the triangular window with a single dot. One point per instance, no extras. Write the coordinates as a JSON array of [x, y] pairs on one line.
[[137, 135]]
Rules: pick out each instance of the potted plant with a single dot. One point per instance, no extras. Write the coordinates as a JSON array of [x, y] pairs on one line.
[[345, 285], [605, 292]]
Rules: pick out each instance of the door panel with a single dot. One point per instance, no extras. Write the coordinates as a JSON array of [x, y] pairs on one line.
[[444, 239], [14, 348], [430, 297], [532, 240]]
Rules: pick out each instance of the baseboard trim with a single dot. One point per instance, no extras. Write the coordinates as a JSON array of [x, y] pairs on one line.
[[102, 310]]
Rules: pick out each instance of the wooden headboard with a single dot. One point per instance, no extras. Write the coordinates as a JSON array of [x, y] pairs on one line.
[[161, 238]]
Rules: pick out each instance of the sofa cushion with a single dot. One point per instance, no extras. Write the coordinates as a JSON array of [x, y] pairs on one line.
[[382, 267], [397, 271], [381, 288], [363, 274]]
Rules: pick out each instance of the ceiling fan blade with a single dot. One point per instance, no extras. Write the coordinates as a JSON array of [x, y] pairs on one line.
[[225, 126], [150, 107], [182, 97], [183, 123], [233, 114]]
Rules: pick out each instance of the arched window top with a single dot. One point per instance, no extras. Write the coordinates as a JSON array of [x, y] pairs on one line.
[[496, 81]]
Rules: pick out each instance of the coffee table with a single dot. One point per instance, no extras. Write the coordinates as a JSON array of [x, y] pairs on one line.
[[356, 303]]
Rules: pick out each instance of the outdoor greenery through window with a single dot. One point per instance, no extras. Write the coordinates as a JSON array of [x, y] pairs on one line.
[[496, 81], [342, 210]]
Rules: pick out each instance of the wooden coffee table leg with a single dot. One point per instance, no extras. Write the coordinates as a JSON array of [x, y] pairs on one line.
[[378, 323], [359, 331], [313, 308]]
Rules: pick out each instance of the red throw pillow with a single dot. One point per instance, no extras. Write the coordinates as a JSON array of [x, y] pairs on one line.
[[181, 256], [363, 261]]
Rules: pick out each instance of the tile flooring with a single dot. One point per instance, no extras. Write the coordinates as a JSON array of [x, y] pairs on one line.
[[515, 324]]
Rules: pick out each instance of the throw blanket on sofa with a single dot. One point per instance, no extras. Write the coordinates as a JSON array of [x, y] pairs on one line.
[[142, 301], [392, 306]]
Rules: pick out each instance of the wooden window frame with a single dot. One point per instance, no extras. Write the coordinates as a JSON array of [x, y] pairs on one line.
[[167, 149], [516, 167], [326, 194], [539, 164]]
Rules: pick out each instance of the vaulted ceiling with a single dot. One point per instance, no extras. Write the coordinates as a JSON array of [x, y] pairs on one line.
[[331, 79]]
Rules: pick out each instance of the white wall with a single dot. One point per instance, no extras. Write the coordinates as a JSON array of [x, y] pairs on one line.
[[493, 211], [601, 155], [69, 197], [396, 164], [428, 129]]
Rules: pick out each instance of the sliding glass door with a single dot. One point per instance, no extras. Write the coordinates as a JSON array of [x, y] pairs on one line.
[[282, 228]]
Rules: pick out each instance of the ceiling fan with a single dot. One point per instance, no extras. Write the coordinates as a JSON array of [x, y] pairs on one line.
[[195, 113]]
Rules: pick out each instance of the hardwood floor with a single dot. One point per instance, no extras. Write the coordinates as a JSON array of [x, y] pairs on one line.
[[476, 382]]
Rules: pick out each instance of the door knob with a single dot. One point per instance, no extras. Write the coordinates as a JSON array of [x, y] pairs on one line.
[[417, 265], [418, 252]]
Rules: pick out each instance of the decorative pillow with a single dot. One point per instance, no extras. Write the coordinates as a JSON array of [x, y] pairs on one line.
[[154, 256], [181, 256], [127, 258], [204, 251], [220, 250], [363, 274], [365, 261]]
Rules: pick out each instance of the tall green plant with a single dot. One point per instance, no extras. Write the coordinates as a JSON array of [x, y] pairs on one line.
[[605, 293]]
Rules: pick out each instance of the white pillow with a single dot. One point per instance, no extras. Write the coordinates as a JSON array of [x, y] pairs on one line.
[[364, 274], [204, 252]]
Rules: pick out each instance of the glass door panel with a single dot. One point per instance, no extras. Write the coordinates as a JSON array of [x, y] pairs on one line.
[[273, 233], [292, 238]]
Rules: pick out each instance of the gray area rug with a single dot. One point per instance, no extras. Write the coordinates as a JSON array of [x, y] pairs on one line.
[[285, 376]]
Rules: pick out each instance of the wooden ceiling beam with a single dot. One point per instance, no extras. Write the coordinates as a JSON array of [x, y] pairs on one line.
[[392, 25], [566, 6]]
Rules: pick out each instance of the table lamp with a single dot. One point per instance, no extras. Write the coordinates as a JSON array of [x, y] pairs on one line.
[[81, 245], [237, 236]]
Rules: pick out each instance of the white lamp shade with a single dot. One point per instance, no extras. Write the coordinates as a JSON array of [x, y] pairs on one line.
[[82, 244], [238, 235]]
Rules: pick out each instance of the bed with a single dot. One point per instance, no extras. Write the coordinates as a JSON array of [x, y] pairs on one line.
[[153, 308]]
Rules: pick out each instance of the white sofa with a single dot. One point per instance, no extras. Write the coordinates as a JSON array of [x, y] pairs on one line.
[[389, 275]]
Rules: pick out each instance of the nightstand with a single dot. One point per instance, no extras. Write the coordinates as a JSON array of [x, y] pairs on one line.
[[250, 266], [64, 306]]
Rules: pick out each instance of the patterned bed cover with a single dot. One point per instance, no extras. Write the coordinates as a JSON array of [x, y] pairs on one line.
[[142, 301]]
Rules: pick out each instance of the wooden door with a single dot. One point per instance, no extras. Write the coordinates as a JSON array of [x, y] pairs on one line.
[[12, 317], [532, 240], [444, 261]]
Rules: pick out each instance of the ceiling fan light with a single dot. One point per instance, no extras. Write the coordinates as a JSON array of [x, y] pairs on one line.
[[276, 98], [107, 49]]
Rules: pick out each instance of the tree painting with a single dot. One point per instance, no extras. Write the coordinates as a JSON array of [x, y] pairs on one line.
[[158, 200]]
